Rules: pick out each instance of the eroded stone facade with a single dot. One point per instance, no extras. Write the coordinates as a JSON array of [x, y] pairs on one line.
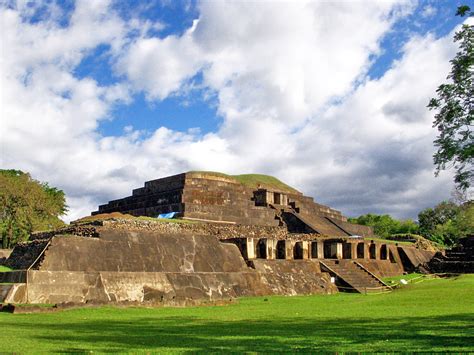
[[215, 198], [248, 242]]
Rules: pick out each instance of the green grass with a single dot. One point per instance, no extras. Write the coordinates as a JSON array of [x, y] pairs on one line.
[[254, 180], [413, 277], [388, 241], [4, 268], [435, 315]]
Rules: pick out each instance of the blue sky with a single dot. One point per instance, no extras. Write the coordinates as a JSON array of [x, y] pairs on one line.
[[192, 109], [330, 97]]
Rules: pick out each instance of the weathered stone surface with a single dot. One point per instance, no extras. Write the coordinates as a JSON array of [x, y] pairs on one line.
[[142, 266], [294, 277], [80, 287], [13, 293], [142, 252], [412, 258], [459, 259], [382, 268], [214, 197]]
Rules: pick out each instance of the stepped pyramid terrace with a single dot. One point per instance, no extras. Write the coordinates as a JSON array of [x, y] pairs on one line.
[[231, 236]]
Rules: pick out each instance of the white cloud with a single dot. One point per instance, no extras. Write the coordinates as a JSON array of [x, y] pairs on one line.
[[428, 11], [158, 66], [286, 77]]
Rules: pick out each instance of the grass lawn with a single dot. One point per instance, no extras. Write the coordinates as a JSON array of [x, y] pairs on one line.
[[435, 315], [414, 277], [4, 268]]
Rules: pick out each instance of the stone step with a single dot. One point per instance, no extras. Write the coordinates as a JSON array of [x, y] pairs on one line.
[[354, 275]]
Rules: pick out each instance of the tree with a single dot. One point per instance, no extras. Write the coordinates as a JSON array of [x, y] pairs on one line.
[[447, 222], [385, 225], [455, 110], [27, 205], [465, 219], [429, 218]]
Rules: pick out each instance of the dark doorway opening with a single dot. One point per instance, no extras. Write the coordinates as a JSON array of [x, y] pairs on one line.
[[330, 250], [372, 251], [360, 251], [392, 258], [314, 250], [347, 251], [298, 250], [262, 249], [280, 250]]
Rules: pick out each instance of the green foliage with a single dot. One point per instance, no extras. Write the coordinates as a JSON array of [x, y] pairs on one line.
[[455, 110], [384, 225], [27, 205], [464, 10], [447, 222], [431, 316], [465, 219], [444, 224]]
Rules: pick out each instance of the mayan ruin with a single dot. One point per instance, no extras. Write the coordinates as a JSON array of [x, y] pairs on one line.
[[236, 176], [240, 240]]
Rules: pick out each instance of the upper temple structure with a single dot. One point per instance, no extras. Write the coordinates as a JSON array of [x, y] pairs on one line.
[[258, 200]]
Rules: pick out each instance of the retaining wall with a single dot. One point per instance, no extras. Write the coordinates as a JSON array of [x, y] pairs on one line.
[[145, 266]]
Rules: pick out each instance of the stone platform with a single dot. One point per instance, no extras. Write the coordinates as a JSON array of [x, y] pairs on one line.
[[127, 266], [169, 263]]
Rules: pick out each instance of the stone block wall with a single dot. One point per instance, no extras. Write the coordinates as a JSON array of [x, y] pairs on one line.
[[215, 198], [123, 265], [123, 251], [307, 205], [157, 196]]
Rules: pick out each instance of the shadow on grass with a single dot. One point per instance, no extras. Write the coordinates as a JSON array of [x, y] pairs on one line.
[[453, 333]]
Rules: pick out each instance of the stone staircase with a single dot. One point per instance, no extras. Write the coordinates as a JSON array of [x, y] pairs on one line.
[[454, 261], [353, 277], [458, 255]]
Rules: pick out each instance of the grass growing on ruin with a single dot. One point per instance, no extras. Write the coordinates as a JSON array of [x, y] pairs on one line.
[[389, 241], [435, 315], [254, 180]]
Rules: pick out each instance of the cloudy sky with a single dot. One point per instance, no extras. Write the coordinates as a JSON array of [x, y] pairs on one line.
[[99, 96]]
